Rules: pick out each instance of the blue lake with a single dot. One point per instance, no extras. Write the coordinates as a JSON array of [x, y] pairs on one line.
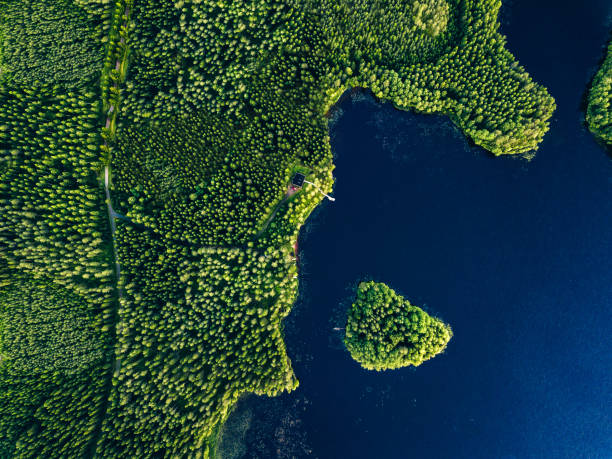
[[515, 255]]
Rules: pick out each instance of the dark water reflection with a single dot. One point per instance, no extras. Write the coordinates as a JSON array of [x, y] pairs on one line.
[[515, 255]]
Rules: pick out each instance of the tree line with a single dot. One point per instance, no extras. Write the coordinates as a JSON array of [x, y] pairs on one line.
[[599, 108], [384, 331]]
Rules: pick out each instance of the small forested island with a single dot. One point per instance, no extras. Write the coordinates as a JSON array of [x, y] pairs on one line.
[[599, 108], [384, 331], [146, 154]]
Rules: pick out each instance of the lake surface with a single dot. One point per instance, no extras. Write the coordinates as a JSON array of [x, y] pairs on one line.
[[515, 255]]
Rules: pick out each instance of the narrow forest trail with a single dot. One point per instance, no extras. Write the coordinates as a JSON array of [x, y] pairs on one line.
[[107, 168], [113, 226], [112, 215]]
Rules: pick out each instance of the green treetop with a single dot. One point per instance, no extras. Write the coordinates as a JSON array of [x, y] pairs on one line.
[[599, 110], [384, 331]]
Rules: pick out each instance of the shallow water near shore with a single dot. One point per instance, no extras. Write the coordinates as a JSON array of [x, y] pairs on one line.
[[515, 255]]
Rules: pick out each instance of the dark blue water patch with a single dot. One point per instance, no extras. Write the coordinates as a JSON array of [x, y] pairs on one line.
[[515, 255], [506, 251]]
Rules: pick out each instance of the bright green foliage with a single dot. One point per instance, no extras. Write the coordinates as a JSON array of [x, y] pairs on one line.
[[194, 53], [431, 16], [56, 278], [384, 331], [50, 41], [45, 328], [50, 414], [53, 369], [199, 327], [599, 109], [472, 78], [433, 56], [200, 181], [397, 34], [169, 163], [52, 217]]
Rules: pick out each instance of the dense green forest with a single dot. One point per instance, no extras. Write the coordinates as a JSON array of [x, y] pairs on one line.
[[384, 331], [599, 108], [201, 111]]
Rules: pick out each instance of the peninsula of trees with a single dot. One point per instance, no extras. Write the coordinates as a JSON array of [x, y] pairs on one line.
[[198, 112], [599, 108], [384, 331]]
